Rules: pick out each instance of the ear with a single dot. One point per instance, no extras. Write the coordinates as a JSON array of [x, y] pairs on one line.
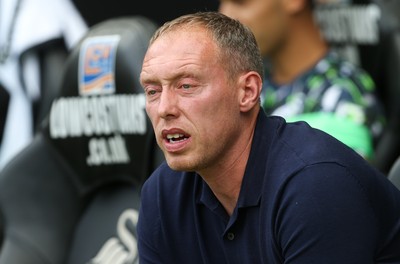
[[250, 90], [295, 6]]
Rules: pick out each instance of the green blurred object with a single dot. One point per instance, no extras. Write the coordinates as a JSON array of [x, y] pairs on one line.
[[355, 135]]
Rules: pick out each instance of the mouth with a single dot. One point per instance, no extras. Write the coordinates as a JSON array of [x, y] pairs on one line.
[[176, 138]]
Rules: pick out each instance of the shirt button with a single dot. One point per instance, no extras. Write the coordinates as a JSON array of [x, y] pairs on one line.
[[230, 236]]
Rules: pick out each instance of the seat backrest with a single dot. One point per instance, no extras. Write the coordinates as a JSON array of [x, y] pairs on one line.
[[72, 195], [367, 32]]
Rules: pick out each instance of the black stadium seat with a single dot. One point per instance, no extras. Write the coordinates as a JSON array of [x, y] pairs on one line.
[[72, 195]]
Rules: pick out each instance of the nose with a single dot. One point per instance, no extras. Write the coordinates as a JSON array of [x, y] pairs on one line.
[[168, 104]]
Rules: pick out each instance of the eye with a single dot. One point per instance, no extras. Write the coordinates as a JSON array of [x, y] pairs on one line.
[[186, 86], [151, 92]]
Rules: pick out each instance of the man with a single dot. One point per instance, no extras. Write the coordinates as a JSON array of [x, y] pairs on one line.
[[241, 187], [305, 79]]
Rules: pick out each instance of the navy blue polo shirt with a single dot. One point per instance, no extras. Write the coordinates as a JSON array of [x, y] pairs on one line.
[[305, 198]]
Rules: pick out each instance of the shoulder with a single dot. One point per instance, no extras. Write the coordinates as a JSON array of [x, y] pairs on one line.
[[307, 141], [300, 145], [312, 152], [314, 160]]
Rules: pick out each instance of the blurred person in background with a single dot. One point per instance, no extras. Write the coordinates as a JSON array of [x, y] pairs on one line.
[[35, 37], [305, 79]]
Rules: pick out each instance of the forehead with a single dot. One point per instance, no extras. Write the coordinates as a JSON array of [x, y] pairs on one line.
[[183, 38], [179, 49]]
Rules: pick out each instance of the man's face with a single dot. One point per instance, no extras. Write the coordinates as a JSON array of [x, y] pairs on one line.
[[192, 106], [266, 18]]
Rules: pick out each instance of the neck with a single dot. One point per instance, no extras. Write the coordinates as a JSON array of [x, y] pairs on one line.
[[303, 49], [225, 178]]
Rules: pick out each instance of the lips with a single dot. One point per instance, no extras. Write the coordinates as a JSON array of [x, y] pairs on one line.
[[175, 139]]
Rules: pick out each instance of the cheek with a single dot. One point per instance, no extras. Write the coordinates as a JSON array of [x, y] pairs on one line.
[[206, 112], [219, 109]]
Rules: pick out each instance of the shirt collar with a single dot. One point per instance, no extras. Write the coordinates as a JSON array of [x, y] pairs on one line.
[[253, 180]]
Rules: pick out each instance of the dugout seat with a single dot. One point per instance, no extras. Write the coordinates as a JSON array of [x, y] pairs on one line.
[[72, 195], [367, 32]]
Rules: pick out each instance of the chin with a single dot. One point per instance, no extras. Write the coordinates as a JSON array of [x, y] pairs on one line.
[[179, 164]]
